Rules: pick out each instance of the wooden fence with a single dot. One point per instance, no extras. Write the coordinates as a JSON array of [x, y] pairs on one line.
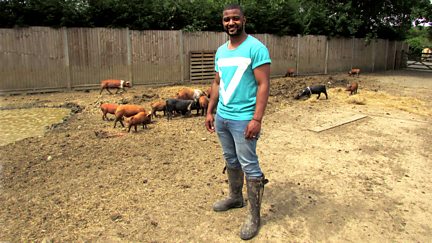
[[41, 59]]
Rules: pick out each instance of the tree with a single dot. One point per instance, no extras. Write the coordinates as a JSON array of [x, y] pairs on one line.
[[387, 19], [418, 38], [55, 13], [279, 17]]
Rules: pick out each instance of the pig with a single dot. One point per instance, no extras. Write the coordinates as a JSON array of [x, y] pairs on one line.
[[126, 111], [189, 94], [352, 87], [140, 118], [208, 92], [354, 71], [158, 106], [114, 84], [107, 108], [308, 91], [290, 72], [203, 104], [181, 106]]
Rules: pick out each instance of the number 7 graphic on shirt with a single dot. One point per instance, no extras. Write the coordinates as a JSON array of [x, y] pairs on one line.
[[241, 63]]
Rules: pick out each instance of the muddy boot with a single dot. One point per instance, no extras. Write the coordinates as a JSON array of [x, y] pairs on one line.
[[255, 190], [235, 197]]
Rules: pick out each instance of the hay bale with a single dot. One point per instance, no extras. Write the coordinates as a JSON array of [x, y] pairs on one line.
[[357, 100]]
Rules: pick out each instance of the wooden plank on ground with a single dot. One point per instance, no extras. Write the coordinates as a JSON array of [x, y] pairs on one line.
[[346, 120]]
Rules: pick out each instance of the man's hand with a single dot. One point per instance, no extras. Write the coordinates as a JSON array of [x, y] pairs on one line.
[[253, 129], [209, 123]]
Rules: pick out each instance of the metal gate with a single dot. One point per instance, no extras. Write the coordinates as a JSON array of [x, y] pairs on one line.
[[422, 62]]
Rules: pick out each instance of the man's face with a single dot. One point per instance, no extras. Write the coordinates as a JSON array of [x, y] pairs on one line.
[[233, 22]]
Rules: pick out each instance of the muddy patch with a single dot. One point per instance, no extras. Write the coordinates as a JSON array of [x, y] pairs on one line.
[[88, 181], [18, 124]]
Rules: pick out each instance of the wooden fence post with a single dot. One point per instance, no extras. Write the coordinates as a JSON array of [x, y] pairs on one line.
[[386, 54], [326, 57], [181, 56], [66, 57], [298, 54], [129, 53], [352, 51]]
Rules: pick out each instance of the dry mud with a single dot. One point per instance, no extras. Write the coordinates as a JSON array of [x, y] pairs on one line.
[[368, 180]]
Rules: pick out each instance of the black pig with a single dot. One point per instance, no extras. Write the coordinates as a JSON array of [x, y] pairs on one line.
[[180, 106], [316, 89]]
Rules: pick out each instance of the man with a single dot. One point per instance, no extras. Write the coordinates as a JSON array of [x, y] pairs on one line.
[[240, 90]]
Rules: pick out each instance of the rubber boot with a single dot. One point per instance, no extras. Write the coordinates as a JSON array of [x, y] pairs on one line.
[[235, 197], [255, 190]]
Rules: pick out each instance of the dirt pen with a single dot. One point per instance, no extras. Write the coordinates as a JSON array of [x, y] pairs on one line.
[[355, 180]]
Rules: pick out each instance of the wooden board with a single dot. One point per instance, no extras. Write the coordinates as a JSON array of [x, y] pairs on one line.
[[327, 126], [201, 66]]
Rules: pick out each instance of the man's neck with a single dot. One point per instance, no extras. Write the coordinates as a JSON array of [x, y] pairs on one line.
[[235, 41]]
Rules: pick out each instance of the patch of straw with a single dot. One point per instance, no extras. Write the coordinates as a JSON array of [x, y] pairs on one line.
[[381, 99], [356, 100]]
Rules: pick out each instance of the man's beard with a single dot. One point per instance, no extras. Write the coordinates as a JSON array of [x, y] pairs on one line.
[[238, 32]]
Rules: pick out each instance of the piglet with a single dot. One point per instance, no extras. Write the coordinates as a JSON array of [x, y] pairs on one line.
[[107, 108], [180, 106], [208, 92], [140, 118], [290, 72], [354, 71], [316, 89], [158, 106], [189, 94], [114, 84], [352, 88], [126, 111], [203, 104]]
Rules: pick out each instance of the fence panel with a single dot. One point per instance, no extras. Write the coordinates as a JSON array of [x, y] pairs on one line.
[[312, 54], [363, 55], [155, 57], [96, 54], [391, 48], [42, 58], [200, 41], [340, 55], [283, 52], [401, 50], [380, 60], [32, 58]]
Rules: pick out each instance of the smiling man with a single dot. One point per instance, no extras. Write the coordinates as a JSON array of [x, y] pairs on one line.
[[240, 90]]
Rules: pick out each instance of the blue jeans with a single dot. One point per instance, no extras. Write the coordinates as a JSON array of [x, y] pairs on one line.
[[237, 150]]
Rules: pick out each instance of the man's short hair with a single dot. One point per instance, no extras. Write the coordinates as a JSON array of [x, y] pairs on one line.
[[234, 6]]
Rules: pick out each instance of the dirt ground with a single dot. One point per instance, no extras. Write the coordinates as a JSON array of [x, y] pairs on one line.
[[365, 181]]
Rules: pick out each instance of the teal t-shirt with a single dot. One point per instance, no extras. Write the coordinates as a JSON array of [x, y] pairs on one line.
[[238, 86]]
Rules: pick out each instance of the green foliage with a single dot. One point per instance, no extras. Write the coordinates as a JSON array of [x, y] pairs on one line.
[[55, 13], [387, 19], [280, 17], [418, 39]]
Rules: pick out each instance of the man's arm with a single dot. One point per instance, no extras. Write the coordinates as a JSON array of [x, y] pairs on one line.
[[262, 75], [214, 97]]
